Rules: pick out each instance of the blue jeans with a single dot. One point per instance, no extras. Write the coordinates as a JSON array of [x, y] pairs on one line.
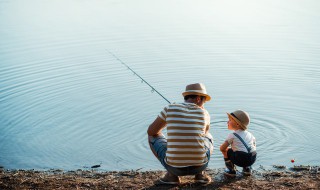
[[159, 147]]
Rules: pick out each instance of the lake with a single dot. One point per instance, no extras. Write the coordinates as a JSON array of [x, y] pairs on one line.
[[67, 103]]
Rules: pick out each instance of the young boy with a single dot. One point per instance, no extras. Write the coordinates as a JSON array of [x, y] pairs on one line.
[[243, 144]]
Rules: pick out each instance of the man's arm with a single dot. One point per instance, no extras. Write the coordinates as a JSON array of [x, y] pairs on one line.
[[208, 123], [207, 129], [156, 127]]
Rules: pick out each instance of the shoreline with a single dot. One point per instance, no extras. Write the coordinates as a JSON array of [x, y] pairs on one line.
[[277, 178]]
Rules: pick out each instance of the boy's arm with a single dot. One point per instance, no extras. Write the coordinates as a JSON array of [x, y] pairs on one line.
[[224, 146], [224, 149], [254, 142], [156, 127]]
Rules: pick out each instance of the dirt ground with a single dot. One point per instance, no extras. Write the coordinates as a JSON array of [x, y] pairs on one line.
[[277, 178]]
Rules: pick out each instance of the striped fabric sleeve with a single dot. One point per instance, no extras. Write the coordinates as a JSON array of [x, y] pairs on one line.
[[163, 113]]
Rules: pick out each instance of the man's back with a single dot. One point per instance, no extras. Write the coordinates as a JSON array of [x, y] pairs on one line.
[[186, 123]]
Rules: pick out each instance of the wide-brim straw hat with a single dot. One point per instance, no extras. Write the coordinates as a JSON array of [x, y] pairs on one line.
[[196, 89], [241, 117]]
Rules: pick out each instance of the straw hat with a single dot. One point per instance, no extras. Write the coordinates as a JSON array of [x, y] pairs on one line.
[[241, 117], [196, 89]]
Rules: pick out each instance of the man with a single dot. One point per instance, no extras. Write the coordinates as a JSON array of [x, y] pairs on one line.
[[188, 146]]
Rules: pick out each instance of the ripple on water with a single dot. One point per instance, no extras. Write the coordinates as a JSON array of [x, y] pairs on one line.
[[66, 103], [272, 135]]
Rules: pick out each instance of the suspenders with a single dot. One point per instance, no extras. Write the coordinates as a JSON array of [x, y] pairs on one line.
[[248, 149]]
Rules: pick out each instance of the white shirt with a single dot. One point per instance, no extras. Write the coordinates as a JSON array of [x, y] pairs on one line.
[[236, 143]]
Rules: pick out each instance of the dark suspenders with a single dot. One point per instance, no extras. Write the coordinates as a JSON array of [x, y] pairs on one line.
[[248, 149]]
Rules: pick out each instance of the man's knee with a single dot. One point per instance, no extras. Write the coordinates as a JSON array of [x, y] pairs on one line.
[[158, 145], [150, 139]]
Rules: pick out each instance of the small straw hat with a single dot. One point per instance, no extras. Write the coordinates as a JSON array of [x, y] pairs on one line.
[[196, 89], [241, 117]]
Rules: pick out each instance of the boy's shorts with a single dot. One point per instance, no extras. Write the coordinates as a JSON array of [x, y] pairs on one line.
[[159, 146], [242, 159]]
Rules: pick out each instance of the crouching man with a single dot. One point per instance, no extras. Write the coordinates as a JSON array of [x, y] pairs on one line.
[[189, 145]]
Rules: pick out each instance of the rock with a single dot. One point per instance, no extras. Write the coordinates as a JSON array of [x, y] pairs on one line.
[[301, 168], [96, 166]]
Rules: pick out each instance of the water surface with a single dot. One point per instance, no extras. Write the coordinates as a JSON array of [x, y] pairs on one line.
[[67, 103]]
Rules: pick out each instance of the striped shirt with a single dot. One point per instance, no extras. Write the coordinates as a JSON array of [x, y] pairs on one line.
[[186, 124]]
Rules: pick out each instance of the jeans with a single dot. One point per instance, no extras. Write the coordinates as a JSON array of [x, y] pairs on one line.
[[159, 146]]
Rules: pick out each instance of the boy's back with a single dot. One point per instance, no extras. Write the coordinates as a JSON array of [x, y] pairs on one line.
[[236, 143]]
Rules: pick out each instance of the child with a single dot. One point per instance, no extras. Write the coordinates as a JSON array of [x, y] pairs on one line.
[[243, 144]]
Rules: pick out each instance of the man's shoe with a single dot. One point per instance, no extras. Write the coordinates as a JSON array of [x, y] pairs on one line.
[[246, 171], [230, 173], [202, 178], [170, 179]]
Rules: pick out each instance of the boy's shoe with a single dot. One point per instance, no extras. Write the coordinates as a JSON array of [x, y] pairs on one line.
[[230, 165], [170, 179], [202, 178], [230, 173], [246, 171], [231, 169]]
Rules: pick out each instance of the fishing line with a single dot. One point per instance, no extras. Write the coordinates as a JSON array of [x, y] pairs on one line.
[[142, 80]]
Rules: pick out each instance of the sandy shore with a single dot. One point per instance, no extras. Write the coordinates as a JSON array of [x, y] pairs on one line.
[[277, 178]]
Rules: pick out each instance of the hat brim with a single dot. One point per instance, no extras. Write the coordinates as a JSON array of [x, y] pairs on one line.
[[237, 121], [208, 98]]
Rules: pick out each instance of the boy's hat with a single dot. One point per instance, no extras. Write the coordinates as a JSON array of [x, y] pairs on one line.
[[196, 89], [241, 117]]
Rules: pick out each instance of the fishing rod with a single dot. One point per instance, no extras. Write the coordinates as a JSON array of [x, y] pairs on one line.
[[152, 88]]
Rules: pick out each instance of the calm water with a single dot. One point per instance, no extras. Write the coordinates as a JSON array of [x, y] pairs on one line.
[[66, 103]]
